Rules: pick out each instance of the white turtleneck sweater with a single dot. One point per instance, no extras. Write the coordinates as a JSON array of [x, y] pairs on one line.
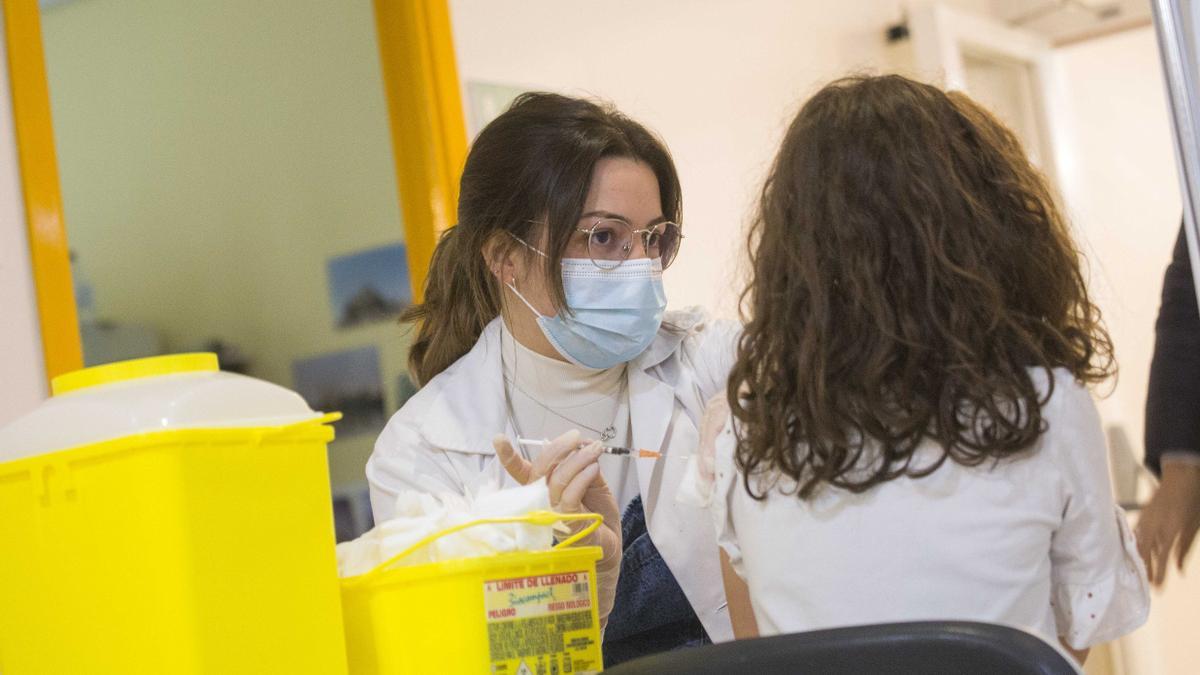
[[551, 397]]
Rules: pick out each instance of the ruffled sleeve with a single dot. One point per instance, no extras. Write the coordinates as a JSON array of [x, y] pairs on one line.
[[1110, 607], [1099, 588], [1103, 610]]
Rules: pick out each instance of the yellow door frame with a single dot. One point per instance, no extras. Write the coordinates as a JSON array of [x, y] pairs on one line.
[[429, 143], [429, 138], [48, 252]]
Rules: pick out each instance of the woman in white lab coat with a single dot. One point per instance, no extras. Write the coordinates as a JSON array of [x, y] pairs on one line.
[[544, 318]]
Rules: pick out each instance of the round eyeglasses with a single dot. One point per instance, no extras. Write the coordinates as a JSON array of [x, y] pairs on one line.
[[609, 242]]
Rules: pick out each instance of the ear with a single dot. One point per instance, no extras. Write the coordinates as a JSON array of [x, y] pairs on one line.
[[499, 258]]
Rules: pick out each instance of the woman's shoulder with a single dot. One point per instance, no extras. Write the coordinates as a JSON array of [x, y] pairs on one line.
[[1074, 434], [693, 331], [453, 407], [407, 421], [691, 341], [1060, 382], [415, 410], [1064, 396]]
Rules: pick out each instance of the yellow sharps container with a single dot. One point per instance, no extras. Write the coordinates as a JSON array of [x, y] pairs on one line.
[[160, 516]]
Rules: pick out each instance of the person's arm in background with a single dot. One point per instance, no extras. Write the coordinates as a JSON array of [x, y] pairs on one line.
[[1170, 521]]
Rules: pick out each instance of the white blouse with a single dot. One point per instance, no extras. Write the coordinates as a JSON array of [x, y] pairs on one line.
[[1033, 541]]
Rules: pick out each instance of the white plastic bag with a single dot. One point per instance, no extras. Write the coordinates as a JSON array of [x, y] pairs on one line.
[[420, 514]]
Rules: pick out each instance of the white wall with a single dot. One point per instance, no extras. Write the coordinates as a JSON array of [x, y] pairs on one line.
[[1119, 182], [22, 372], [718, 80]]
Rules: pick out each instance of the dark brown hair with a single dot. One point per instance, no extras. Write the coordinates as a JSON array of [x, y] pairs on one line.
[[910, 267], [533, 162]]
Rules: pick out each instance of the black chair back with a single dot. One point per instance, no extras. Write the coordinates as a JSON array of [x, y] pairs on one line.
[[929, 647]]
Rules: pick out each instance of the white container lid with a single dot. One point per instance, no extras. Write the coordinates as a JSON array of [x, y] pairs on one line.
[[183, 391]]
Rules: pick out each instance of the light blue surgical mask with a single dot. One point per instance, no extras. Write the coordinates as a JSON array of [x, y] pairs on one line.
[[614, 314]]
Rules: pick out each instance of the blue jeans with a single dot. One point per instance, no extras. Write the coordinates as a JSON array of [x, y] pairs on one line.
[[651, 613]]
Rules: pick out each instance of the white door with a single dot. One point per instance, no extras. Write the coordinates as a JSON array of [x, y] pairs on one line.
[[1006, 69]]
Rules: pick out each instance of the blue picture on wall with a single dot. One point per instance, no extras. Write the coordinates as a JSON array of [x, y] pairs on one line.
[[348, 382], [370, 286]]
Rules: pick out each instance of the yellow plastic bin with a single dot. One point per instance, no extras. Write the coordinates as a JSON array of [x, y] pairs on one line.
[[511, 613], [160, 516]]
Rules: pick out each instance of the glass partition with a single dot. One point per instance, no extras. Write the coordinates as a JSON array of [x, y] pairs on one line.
[[1177, 22]]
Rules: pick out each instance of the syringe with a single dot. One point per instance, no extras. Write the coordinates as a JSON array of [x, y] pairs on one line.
[[608, 449]]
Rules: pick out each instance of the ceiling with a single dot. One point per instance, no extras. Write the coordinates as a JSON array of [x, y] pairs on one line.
[[1062, 21], [1065, 21]]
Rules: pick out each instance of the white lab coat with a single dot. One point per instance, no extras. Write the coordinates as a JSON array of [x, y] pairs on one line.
[[441, 440]]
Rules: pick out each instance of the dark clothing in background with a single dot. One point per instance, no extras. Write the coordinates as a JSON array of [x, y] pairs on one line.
[[1173, 403]]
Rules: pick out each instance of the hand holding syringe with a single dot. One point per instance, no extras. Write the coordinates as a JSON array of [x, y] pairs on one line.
[[608, 449], [575, 485]]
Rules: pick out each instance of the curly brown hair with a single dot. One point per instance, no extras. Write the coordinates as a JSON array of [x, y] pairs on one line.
[[910, 270]]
